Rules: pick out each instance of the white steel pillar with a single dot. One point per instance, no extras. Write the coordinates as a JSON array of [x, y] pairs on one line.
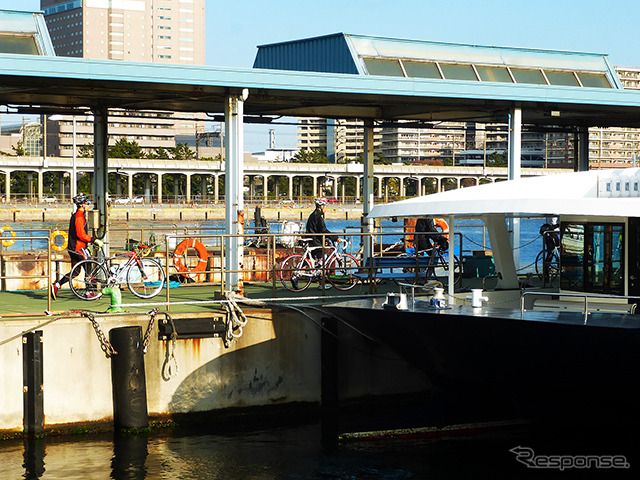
[[101, 170], [188, 188], [159, 187], [7, 186], [130, 186], [234, 175], [367, 194], [514, 162]]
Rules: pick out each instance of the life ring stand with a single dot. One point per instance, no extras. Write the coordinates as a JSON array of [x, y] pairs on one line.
[[54, 240], [7, 241], [444, 226], [202, 254]]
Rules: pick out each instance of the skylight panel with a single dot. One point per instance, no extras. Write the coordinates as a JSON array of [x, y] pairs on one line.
[[458, 72], [421, 70], [595, 80], [567, 79], [526, 75], [494, 74], [389, 68]]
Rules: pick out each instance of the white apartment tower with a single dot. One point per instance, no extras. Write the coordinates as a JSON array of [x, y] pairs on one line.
[[158, 31]]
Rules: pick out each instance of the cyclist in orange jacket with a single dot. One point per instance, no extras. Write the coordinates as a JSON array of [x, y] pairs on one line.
[[78, 239]]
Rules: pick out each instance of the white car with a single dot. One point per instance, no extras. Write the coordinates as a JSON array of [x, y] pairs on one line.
[[122, 201], [138, 199], [50, 199]]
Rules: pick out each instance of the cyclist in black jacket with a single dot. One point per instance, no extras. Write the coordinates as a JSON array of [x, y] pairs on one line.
[[315, 224]]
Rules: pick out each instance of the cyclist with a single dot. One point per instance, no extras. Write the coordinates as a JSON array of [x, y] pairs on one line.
[[78, 239], [428, 236], [550, 231], [316, 224]]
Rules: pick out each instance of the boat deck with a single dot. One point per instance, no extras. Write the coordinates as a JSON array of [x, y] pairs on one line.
[[182, 299]]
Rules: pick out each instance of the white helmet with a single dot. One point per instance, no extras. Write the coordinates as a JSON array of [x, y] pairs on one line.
[[321, 201]]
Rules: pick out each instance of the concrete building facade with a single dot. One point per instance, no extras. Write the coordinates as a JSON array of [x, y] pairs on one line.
[[158, 31]]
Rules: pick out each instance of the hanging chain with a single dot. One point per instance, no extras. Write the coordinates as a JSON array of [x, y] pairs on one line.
[[147, 335], [170, 365], [105, 345]]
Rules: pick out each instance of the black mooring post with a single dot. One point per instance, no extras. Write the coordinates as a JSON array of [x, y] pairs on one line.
[[32, 381], [128, 380], [329, 382]]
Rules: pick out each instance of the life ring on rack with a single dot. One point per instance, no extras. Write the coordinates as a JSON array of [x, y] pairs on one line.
[[202, 254], [55, 245], [444, 226], [8, 240]]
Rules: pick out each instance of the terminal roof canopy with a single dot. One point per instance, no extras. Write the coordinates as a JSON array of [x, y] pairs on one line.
[[391, 57], [24, 33], [477, 84]]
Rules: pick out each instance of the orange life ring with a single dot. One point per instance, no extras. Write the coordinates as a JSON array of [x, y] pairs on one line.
[[202, 253], [444, 226]]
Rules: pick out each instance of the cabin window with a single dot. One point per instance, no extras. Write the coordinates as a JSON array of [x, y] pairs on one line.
[[18, 44], [592, 257]]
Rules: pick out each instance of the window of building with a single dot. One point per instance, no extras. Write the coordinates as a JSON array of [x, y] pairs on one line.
[[389, 68], [494, 74], [528, 75], [595, 80], [568, 79], [421, 70], [453, 71]]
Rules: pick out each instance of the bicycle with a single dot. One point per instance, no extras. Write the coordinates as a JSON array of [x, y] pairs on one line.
[[297, 271], [144, 276], [548, 270], [438, 266]]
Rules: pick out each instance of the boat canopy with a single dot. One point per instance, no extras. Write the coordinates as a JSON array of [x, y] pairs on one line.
[[614, 192]]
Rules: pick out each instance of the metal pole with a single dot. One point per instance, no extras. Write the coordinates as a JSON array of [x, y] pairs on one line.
[[234, 195], [74, 173], [33, 382]]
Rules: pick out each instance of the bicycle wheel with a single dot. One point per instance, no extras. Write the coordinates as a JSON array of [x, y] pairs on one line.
[[342, 270], [88, 277], [440, 270], [145, 278], [552, 266], [295, 273]]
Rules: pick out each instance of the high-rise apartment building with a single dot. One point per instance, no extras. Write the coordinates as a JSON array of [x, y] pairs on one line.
[[158, 31]]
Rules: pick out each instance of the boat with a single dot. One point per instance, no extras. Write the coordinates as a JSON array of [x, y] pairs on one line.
[[565, 353]]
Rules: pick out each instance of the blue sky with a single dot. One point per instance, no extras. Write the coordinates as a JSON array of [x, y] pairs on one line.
[[236, 28]]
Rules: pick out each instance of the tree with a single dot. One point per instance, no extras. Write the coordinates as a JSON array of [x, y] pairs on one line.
[[497, 160], [315, 155], [182, 152], [125, 149], [19, 149]]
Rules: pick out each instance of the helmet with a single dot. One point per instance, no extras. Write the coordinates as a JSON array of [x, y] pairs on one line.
[[81, 199], [321, 201]]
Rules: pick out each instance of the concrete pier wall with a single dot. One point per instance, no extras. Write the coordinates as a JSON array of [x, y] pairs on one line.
[[276, 361]]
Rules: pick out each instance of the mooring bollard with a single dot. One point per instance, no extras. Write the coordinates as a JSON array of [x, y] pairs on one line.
[[128, 379]]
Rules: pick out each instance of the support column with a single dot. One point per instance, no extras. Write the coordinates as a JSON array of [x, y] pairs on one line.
[[581, 160], [188, 188], [216, 189], [234, 174], [147, 188], [367, 203], [130, 185], [379, 187], [515, 163], [40, 183], [265, 184], [502, 251], [203, 188], [315, 187], [7, 186], [290, 196], [159, 193], [335, 186], [101, 170]]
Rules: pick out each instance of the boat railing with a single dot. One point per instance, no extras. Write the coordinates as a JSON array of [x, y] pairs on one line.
[[586, 299]]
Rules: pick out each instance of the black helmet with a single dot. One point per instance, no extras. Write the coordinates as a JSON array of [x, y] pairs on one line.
[[81, 199]]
